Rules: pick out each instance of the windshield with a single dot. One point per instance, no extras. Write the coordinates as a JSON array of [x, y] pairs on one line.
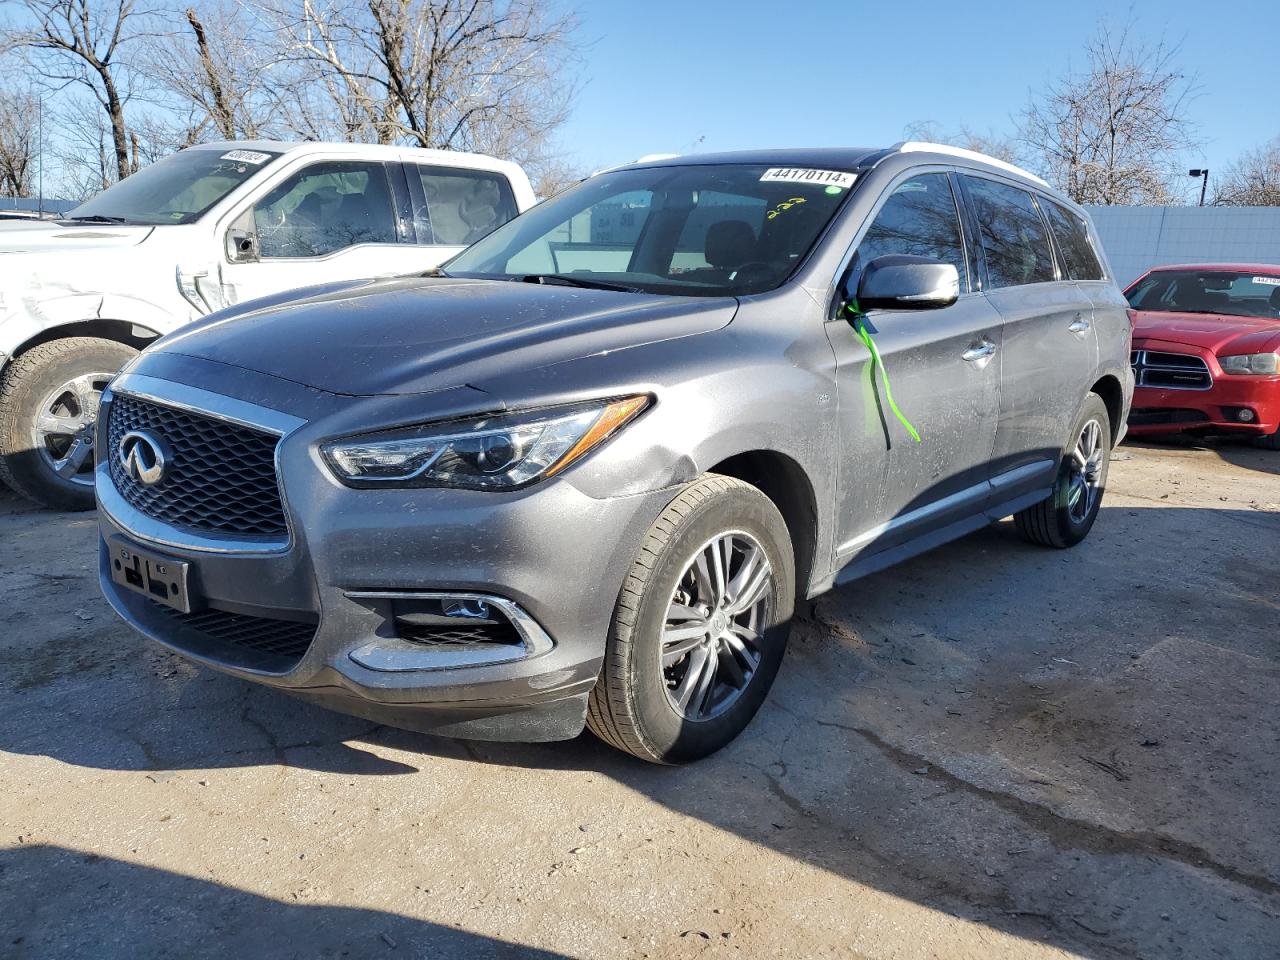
[[1231, 292], [709, 230], [177, 189]]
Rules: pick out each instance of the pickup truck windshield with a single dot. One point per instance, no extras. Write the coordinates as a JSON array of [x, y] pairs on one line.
[[695, 230], [1222, 292], [177, 189]]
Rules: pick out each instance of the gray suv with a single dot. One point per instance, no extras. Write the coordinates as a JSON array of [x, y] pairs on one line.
[[582, 473]]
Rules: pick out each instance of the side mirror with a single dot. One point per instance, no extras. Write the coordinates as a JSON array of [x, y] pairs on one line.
[[901, 282], [242, 245]]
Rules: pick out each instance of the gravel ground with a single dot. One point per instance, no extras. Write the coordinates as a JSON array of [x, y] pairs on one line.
[[994, 750]]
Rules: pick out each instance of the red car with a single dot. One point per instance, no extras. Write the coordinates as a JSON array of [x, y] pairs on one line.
[[1205, 345]]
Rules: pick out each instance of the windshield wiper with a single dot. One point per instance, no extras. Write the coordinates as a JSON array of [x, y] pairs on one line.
[[98, 218], [572, 280]]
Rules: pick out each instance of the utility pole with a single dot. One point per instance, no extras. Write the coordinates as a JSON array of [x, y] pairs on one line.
[[1204, 183], [40, 150]]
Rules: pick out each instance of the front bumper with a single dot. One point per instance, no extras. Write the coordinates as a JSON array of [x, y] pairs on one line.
[[1218, 409], [550, 554]]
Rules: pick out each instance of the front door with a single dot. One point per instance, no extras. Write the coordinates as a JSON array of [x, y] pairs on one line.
[[944, 370], [331, 220]]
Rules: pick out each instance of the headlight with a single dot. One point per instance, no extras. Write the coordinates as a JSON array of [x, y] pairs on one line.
[[1261, 364], [487, 453]]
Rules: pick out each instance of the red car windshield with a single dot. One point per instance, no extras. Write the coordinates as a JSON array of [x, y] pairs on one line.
[[1231, 292]]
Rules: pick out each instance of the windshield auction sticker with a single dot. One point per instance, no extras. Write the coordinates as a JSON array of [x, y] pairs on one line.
[[247, 156], [1268, 281], [821, 178]]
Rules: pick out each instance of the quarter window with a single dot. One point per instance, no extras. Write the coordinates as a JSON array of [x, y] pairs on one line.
[[1013, 234], [462, 205], [325, 208], [1072, 234], [919, 218]]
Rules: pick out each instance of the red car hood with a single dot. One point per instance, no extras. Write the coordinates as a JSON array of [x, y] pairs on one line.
[[1224, 335]]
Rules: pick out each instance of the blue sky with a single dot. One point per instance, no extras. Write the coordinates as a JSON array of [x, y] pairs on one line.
[[661, 74]]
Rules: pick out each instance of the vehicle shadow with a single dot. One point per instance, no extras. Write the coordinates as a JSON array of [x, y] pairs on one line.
[[147, 912], [1240, 453], [991, 730]]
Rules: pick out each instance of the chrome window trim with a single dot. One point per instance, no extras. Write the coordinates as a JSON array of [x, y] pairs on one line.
[[204, 403], [391, 655]]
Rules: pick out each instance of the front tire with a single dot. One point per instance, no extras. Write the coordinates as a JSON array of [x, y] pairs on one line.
[[700, 626], [1067, 516], [48, 407]]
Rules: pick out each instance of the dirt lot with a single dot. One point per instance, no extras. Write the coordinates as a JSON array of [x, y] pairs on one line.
[[991, 751]]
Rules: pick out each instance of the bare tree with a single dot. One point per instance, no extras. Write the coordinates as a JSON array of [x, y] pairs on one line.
[[1253, 180], [490, 75], [1114, 133], [18, 147], [217, 70], [84, 43]]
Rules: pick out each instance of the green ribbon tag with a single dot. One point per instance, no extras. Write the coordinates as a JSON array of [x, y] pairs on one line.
[[865, 337]]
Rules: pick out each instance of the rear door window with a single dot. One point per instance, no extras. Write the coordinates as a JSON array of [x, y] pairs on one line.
[[459, 206], [1013, 234], [1072, 234], [919, 219]]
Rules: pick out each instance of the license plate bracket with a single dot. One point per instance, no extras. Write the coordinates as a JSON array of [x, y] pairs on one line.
[[154, 576]]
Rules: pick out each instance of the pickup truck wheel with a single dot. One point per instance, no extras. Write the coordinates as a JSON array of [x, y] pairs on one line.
[[700, 626], [1067, 516], [48, 407]]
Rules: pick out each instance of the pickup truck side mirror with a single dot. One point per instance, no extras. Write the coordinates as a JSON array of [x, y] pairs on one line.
[[242, 245], [902, 282]]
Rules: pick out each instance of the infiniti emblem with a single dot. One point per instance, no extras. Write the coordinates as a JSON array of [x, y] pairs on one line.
[[144, 457]]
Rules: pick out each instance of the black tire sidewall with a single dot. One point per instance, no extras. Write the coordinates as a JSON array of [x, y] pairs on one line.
[[672, 737], [27, 382]]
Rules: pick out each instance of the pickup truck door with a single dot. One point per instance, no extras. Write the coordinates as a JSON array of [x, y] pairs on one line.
[[330, 220], [453, 207]]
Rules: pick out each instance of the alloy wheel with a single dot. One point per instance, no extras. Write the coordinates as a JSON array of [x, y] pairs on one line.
[[1084, 483], [713, 632], [64, 427]]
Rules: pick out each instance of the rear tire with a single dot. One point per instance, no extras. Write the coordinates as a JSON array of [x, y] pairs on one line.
[[683, 672], [1063, 520], [48, 407]]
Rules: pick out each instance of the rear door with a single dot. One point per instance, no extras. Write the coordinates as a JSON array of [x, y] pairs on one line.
[[1048, 352], [453, 207], [944, 372]]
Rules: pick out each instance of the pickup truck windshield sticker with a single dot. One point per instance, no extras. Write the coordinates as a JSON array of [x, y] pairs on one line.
[[246, 156], [1268, 281], [822, 178]]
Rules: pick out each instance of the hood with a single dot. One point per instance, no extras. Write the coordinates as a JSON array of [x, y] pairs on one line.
[[44, 236], [1221, 334], [414, 335]]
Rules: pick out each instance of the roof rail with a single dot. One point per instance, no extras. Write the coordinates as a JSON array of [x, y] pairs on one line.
[[920, 146]]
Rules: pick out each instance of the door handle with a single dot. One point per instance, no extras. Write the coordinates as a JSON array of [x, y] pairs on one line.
[[1079, 326], [981, 352]]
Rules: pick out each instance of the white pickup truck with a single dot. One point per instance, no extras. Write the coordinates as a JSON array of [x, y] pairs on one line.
[[202, 229]]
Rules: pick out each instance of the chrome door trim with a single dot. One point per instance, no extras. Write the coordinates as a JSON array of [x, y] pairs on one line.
[[977, 492]]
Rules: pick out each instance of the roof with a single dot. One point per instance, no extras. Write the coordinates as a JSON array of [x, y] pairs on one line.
[[1265, 269], [442, 157], [837, 158]]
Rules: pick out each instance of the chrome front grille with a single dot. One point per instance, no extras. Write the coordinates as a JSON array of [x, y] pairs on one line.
[[1169, 371], [221, 478]]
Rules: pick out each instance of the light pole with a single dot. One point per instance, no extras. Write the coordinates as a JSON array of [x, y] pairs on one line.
[[1204, 182]]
